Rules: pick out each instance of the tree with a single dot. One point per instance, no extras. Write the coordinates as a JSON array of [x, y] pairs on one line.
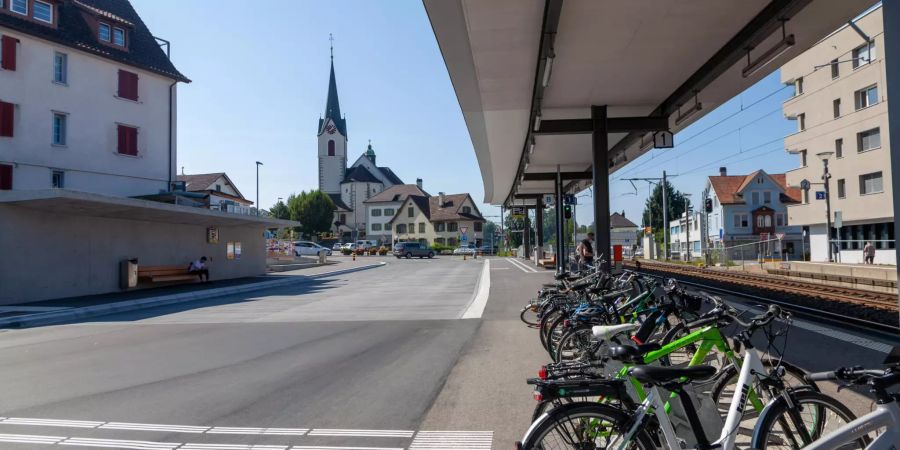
[[675, 203], [514, 233], [280, 211], [314, 210], [550, 227]]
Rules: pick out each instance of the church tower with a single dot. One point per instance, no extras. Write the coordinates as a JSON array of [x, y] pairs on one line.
[[332, 141]]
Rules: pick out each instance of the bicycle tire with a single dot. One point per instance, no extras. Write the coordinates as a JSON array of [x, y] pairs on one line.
[[554, 422], [575, 333], [779, 413], [683, 354], [547, 320], [552, 332], [522, 314], [728, 376]]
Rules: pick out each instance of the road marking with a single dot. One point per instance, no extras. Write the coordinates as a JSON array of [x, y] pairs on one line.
[[51, 422], [117, 443], [468, 440], [482, 292], [263, 431], [153, 427], [30, 439], [362, 433], [231, 447], [308, 447], [522, 266]]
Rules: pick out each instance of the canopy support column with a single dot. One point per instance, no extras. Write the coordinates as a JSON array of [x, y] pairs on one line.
[[600, 152], [539, 228], [526, 235], [560, 225]]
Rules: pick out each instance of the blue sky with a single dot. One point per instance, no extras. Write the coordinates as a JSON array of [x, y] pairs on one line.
[[260, 79]]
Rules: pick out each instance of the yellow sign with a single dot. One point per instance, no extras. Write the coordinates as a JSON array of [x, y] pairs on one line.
[[212, 235], [229, 250]]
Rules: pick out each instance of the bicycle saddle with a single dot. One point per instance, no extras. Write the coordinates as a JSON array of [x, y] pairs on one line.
[[662, 375], [632, 353], [608, 331]]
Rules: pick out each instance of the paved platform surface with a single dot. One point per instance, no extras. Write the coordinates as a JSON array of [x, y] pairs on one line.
[[378, 359]]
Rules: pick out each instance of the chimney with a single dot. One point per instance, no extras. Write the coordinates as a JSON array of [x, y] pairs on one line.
[[723, 171], [419, 183], [440, 199]]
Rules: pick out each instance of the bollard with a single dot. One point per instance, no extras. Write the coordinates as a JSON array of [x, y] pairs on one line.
[[464, 256], [354, 256]]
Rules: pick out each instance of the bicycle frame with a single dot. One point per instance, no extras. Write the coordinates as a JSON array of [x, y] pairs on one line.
[[885, 415]]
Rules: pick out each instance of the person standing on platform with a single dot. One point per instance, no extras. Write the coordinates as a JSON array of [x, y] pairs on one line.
[[869, 253]]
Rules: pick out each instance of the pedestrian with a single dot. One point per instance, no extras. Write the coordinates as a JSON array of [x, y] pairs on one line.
[[200, 269], [869, 253], [586, 250]]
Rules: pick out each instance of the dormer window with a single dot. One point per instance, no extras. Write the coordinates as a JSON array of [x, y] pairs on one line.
[[43, 11], [19, 6], [104, 32], [119, 37]]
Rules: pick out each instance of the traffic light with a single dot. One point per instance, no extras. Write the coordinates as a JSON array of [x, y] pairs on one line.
[[708, 205], [567, 211]]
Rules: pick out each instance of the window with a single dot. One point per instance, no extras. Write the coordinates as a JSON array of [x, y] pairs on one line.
[[411, 228], [440, 227], [798, 86], [127, 140], [104, 32], [58, 179], [801, 122], [59, 129], [842, 188], [779, 219], [119, 37], [451, 242], [401, 228], [478, 226], [835, 69], [376, 212], [218, 188], [128, 85], [6, 177], [60, 68], [410, 212], [838, 148], [760, 221], [8, 53], [7, 111], [43, 11], [376, 227], [331, 147], [805, 194], [452, 226], [836, 107], [863, 55], [466, 210], [343, 218], [768, 221], [421, 227], [389, 211], [866, 97], [19, 6], [767, 197], [802, 158], [870, 183], [741, 220], [868, 140], [755, 196]]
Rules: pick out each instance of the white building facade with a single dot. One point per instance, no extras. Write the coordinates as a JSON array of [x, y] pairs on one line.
[[89, 114]]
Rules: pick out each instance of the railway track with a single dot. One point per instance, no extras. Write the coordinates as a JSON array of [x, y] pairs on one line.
[[775, 283]]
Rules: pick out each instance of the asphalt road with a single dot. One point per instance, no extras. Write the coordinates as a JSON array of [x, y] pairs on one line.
[[372, 360]]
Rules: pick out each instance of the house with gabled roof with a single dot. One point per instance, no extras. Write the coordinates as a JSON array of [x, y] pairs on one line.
[[749, 209], [220, 193], [441, 219], [381, 208]]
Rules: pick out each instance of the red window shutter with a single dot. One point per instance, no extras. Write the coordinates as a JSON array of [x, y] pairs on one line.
[[128, 85], [8, 47], [123, 140], [7, 111], [132, 141], [6, 177]]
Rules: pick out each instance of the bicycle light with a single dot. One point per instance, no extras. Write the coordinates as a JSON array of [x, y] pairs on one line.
[[542, 373]]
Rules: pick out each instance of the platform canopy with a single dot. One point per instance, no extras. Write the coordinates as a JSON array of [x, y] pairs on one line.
[[518, 66]]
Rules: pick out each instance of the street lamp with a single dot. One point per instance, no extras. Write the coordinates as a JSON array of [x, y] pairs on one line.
[[825, 179], [257, 187]]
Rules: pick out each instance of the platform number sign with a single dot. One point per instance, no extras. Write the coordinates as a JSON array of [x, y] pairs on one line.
[[820, 195], [663, 139]]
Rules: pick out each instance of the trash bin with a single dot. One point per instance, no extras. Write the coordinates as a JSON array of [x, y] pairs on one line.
[[128, 273]]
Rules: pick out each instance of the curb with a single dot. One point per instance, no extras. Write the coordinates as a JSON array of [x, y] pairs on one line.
[[64, 315]]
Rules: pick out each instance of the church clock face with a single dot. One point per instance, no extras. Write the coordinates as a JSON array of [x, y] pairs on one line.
[[330, 128]]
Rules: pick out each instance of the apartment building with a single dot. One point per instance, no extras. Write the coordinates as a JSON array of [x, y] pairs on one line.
[[840, 109], [438, 219], [382, 207], [87, 99]]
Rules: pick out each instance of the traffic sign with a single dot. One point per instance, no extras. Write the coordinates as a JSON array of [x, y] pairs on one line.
[[721, 234], [779, 236], [838, 219], [571, 199], [463, 230], [549, 200], [820, 195]]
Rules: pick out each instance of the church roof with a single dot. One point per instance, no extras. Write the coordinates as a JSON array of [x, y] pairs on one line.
[[338, 203], [360, 173], [390, 175], [397, 193], [333, 106]]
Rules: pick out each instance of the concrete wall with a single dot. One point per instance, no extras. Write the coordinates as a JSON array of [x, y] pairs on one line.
[[89, 158], [47, 255]]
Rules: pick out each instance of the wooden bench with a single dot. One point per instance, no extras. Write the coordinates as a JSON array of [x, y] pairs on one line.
[[548, 263], [165, 274]]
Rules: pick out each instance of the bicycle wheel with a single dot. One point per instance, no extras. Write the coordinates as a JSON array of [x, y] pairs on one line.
[[723, 391], [583, 426], [813, 415], [529, 316], [554, 334], [544, 327], [682, 355], [577, 343]]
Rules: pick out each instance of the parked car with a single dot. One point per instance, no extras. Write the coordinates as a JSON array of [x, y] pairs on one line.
[[349, 246], [487, 249], [366, 244], [464, 251], [337, 246], [307, 248], [410, 249]]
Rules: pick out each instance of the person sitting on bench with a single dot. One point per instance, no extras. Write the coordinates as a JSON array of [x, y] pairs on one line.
[[198, 267]]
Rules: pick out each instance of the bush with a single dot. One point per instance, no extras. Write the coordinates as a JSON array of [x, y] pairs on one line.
[[346, 251], [440, 248], [383, 250]]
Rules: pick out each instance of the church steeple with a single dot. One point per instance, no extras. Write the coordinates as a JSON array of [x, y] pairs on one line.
[[332, 105]]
